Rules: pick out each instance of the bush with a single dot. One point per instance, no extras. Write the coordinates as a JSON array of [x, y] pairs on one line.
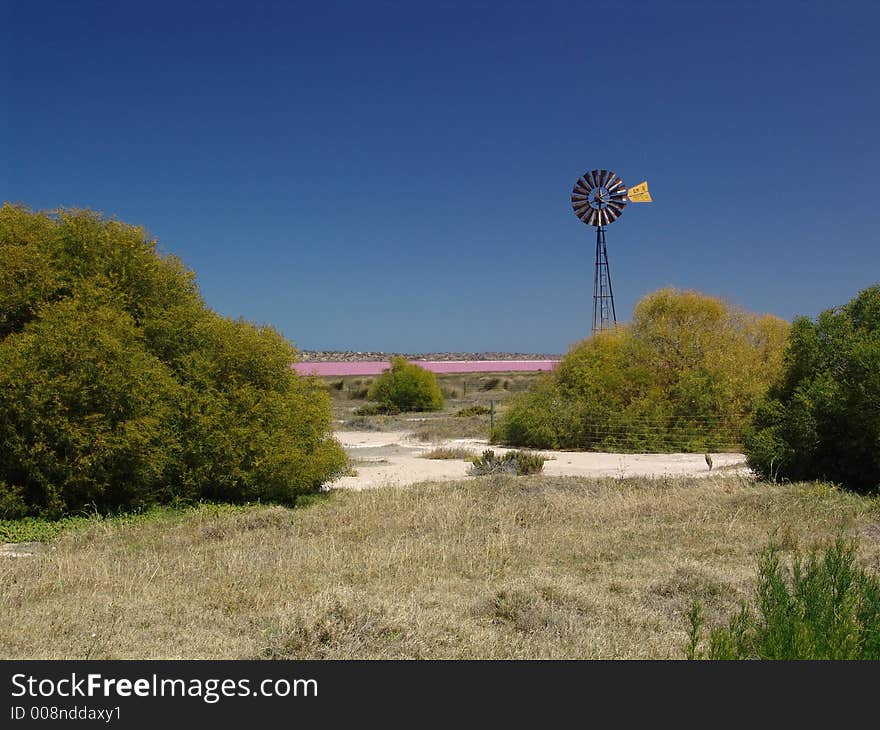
[[519, 463], [685, 375], [821, 418], [120, 389], [825, 607], [407, 387]]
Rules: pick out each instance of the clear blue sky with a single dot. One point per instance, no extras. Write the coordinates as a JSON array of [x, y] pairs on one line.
[[396, 176]]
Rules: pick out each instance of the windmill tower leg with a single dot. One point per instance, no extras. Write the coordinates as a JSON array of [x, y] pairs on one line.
[[604, 312]]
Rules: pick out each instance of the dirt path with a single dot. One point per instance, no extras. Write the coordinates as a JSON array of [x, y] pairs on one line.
[[395, 458]]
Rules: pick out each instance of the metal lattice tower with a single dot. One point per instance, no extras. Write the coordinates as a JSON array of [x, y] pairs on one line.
[[604, 313], [598, 198]]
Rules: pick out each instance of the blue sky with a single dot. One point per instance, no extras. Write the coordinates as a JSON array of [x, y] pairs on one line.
[[396, 176]]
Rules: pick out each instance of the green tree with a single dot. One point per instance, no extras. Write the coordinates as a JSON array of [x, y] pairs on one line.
[[407, 387], [821, 418]]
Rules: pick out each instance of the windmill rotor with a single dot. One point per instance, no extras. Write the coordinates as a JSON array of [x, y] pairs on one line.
[[599, 197]]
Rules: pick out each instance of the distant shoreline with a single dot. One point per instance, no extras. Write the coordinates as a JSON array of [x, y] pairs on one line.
[[375, 367], [328, 356]]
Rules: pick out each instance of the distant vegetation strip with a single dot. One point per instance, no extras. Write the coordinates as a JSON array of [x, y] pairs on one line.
[[462, 366]]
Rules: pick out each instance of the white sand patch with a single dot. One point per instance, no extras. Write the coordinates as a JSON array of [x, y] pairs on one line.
[[376, 439], [395, 458]]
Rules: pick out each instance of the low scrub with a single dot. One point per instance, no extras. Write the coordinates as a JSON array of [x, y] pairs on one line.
[[377, 409], [825, 606], [519, 463], [475, 410]]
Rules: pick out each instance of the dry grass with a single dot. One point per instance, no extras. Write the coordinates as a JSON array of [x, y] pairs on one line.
[[449, 452], [424, 426], [461, 391], [497, 567]]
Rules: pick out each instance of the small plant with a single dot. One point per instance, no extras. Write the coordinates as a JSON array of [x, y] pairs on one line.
[[519, 463], [448, 452], [826, 606], [407, 387], [475, 410]]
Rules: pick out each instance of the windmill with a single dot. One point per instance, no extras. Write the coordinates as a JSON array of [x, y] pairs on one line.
[[598, 199]]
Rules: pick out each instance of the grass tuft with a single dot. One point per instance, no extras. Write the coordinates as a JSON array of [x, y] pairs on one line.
[[449, 452]]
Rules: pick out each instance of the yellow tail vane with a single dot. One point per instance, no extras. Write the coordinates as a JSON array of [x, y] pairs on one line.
[[639, 193]]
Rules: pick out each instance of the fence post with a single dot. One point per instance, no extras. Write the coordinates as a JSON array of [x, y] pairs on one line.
[[491, 415]]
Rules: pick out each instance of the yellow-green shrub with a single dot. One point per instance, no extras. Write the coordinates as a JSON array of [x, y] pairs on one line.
[[685, 375], [119, 388], [407, 387]]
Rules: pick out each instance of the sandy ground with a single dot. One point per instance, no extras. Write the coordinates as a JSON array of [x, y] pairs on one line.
[[395, 457]]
